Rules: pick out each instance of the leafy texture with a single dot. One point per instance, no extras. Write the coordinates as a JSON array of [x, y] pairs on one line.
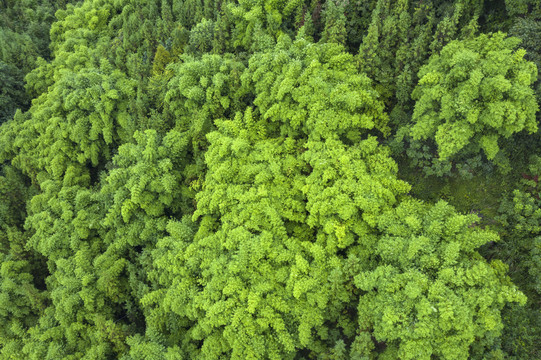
[[432, 294], [475, 92], [201, 179]]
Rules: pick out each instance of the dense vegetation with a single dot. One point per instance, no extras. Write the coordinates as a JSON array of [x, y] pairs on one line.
[[263, 179]]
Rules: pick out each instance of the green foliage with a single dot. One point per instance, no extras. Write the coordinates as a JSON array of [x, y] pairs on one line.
[[275, 286], [521, 7], [146, 176], [64, 218], [400, 38], [335, 23], [520, 216], [12, 95], [199, 92], [87, 110], [201, 37], [274, 250], [358, 16], [189, 13], [180, 179], [526, 29], [24, 41], [22, 299], [476, 92], [256, 20], [386, 53], [315, 90], [431, 293]]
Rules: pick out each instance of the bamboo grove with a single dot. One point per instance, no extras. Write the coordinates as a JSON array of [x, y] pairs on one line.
[[264, 179]]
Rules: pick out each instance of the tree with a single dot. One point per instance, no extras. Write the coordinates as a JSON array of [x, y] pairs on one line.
[[24, 40], [12, 95], [400, 38], [201, 37], [255, 19], [258, 272], [525, 28], [23, 297], [79, 119], [519, 218], [431, 293], [521, 7], [335, 23], [473, 95]]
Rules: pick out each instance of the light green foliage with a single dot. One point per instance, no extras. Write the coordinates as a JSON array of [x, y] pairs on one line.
[[65, 218], [199, 92], [276, 211], [87, 112], [431, 293], [147, 175], [280, 278], [201, 37], [22, 299], [93, 239], [475, 92], [260, 21], [143, 186], [203, 90], [141, 349], [83, 114], [161, 59], [315, 90]]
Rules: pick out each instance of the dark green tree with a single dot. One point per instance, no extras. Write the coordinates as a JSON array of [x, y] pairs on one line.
[[519, 219]]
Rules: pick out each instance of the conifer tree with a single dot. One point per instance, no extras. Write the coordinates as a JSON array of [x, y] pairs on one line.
[[335, 23], [24, 42]]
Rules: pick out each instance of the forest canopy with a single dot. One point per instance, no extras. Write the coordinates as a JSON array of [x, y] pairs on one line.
[[260, 179]]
